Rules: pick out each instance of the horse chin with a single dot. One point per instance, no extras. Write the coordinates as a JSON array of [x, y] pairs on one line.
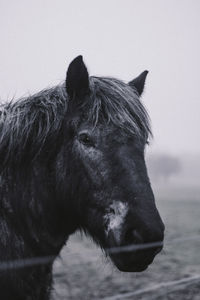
[[130, 268], [131, 263]]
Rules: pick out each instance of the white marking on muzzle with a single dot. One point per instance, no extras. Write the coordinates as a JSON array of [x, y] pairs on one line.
[[115, 218]]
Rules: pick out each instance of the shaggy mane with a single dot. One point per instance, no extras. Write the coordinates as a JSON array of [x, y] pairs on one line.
[[118, 103], [29, 123]]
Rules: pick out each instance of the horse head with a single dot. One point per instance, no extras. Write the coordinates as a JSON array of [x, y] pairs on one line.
[[107, 129]]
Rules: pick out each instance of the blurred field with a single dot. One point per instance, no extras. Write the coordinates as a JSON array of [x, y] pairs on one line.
[[83, 273]]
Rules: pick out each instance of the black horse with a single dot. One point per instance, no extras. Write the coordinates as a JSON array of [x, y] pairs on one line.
[[72, 158]]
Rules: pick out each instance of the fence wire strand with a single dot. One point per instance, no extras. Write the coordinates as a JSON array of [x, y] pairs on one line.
[[169, 284], [42, 260], [25, 262], [176, 284]]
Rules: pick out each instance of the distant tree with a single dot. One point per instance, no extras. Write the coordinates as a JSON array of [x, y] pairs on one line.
[[163, 166]]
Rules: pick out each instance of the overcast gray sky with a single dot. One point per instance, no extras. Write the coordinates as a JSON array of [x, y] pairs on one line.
[[119, 38]]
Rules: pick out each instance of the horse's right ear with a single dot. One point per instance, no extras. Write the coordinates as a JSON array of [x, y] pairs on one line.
[[77, 81], [139, 82]]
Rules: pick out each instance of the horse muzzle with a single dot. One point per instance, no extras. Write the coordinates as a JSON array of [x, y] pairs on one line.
[[133, 253]]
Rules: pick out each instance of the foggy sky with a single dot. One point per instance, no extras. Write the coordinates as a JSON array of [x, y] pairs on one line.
[[119, 38]]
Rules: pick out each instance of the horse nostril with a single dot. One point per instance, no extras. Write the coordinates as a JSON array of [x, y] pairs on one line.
[[132, 236], [137, 238]]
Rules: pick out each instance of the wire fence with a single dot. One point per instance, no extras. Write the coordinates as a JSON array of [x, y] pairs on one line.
[[170, 284], [42, 260], [25, 262], [183, 282]]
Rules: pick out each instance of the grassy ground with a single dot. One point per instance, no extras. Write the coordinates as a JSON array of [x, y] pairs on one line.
[[83, 273]]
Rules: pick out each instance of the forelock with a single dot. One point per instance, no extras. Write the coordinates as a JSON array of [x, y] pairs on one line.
[[115, 101]]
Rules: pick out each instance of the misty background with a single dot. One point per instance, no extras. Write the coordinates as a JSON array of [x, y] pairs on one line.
[[120, 39]]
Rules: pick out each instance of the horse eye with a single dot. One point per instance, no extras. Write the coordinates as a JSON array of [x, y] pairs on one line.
[[85, 139]]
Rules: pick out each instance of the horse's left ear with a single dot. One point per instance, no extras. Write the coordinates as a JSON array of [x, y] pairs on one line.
[[77, 81], [139, 82]]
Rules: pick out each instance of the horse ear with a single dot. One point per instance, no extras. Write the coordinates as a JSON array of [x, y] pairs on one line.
[[77, 81], [139, 82]]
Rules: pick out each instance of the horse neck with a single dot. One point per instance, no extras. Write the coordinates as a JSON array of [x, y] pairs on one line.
[[32, 209]]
